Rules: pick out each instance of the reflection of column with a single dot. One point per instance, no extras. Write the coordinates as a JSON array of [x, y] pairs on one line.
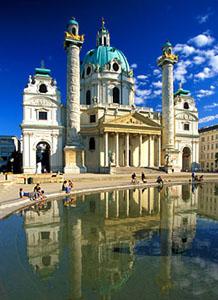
[[117, 204], [127, 150], [77, 260], [127, 203], [140, 150], [106, 205], [106, 149], [166, 231], [140, 202], [117, 149]]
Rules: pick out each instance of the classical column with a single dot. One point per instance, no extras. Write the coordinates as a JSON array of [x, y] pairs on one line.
[[149, 151], [140, 150], [127, 150], [159, 150], [117, 149], [106, 149], [106, 205]]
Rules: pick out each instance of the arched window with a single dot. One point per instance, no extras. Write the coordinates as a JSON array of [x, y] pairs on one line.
[[105, 41], [92, 143], [186, 106], [88, 71], [88, 97], [43, 88], [115, 67], [74, 31], [116, 95]]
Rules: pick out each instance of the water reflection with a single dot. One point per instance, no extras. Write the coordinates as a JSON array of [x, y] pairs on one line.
[[97, 243]]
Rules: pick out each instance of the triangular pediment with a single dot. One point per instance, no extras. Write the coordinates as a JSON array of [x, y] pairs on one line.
[[135, 119]]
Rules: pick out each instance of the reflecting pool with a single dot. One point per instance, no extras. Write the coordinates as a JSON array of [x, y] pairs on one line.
[[132, 244]]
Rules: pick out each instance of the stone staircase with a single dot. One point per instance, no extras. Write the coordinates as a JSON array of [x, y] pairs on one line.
[[137, 170]]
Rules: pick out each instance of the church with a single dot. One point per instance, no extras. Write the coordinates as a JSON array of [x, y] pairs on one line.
[[100, 129]]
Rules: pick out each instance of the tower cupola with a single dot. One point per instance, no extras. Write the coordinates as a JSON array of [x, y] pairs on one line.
[[103, 35]]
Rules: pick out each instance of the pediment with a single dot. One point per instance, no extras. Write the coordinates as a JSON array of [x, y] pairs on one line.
[[135, 119]]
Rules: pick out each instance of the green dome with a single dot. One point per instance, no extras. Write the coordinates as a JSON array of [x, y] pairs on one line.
[[73, 22], [102, 55]]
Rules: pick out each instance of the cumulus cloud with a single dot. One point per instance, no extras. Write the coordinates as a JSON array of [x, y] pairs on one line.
[[157, 72], [134, 66], [205, 73], [202, 40], [157, 92], [205, 93], [142, 77], [139, 101], [184, 49], [181, 70], [143, 93], [208, 119], [198, 60]]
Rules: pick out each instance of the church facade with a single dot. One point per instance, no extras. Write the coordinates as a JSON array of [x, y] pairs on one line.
[[100, 129]]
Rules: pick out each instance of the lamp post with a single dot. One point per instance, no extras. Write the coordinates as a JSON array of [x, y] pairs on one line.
[[12, 161]]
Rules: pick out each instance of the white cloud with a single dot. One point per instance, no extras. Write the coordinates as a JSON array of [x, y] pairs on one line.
[[208, 119], [212, 87], [156, 72], [184, 49], [181, 70], [142, 77], [202, 40], [139, 101], [157, 92], [143, 93], [134, 66], [157, 84], [205, 93], [203, 18], [214, 63], [211, 106], [198, 60], [206, 73]]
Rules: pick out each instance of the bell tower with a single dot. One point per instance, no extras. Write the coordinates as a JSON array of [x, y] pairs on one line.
[[74, 152], [167, 62]]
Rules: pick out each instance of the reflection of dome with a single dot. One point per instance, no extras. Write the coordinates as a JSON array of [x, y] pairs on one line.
[[102, 55]]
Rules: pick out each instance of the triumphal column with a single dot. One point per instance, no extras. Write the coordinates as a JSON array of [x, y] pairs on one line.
[[74, 152], [169, 153]]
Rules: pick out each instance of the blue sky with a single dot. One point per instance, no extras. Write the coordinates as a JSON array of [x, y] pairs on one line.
[[33, 30]]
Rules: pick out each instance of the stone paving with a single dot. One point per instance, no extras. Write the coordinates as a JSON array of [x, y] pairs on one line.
[[9, 192]]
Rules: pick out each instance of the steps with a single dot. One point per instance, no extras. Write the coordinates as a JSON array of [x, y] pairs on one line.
[[137, 170]]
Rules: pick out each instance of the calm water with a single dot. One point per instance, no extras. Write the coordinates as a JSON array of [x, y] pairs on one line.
[[135, 244]]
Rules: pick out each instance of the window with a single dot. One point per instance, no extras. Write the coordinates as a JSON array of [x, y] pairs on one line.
[[208, 147], [88, 71], [186, 126], [43, 88], [216, 136], [216, 146], [92, 118], [88, 97], [211, 146], [116, 95], [92, 143], [74, 31], [43, 115], [211, 155], [186, 105], [45, 235], [202, 139], [115, 67], [211, 137]]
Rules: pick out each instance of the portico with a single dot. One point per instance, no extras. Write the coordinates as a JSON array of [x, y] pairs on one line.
[[131, 141]]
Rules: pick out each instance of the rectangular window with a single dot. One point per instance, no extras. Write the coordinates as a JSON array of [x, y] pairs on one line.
[[208, 147], [211, 146], [92, 118], [211, 155], [202, 139], [42, 115], [211, 137], [186, 126], [216, 146]]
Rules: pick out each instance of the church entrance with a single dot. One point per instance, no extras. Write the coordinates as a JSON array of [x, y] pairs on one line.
[[186, 159], [42, 158]]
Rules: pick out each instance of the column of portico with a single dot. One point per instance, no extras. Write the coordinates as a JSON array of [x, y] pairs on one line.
[[117, 149], [106, 149], [140, 150], [149, 151], [151, 145], [127, 149]]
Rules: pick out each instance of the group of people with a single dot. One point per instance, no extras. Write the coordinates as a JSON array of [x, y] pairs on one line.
[[134, 178], [37, 194], [67, 186], [197, 178]]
